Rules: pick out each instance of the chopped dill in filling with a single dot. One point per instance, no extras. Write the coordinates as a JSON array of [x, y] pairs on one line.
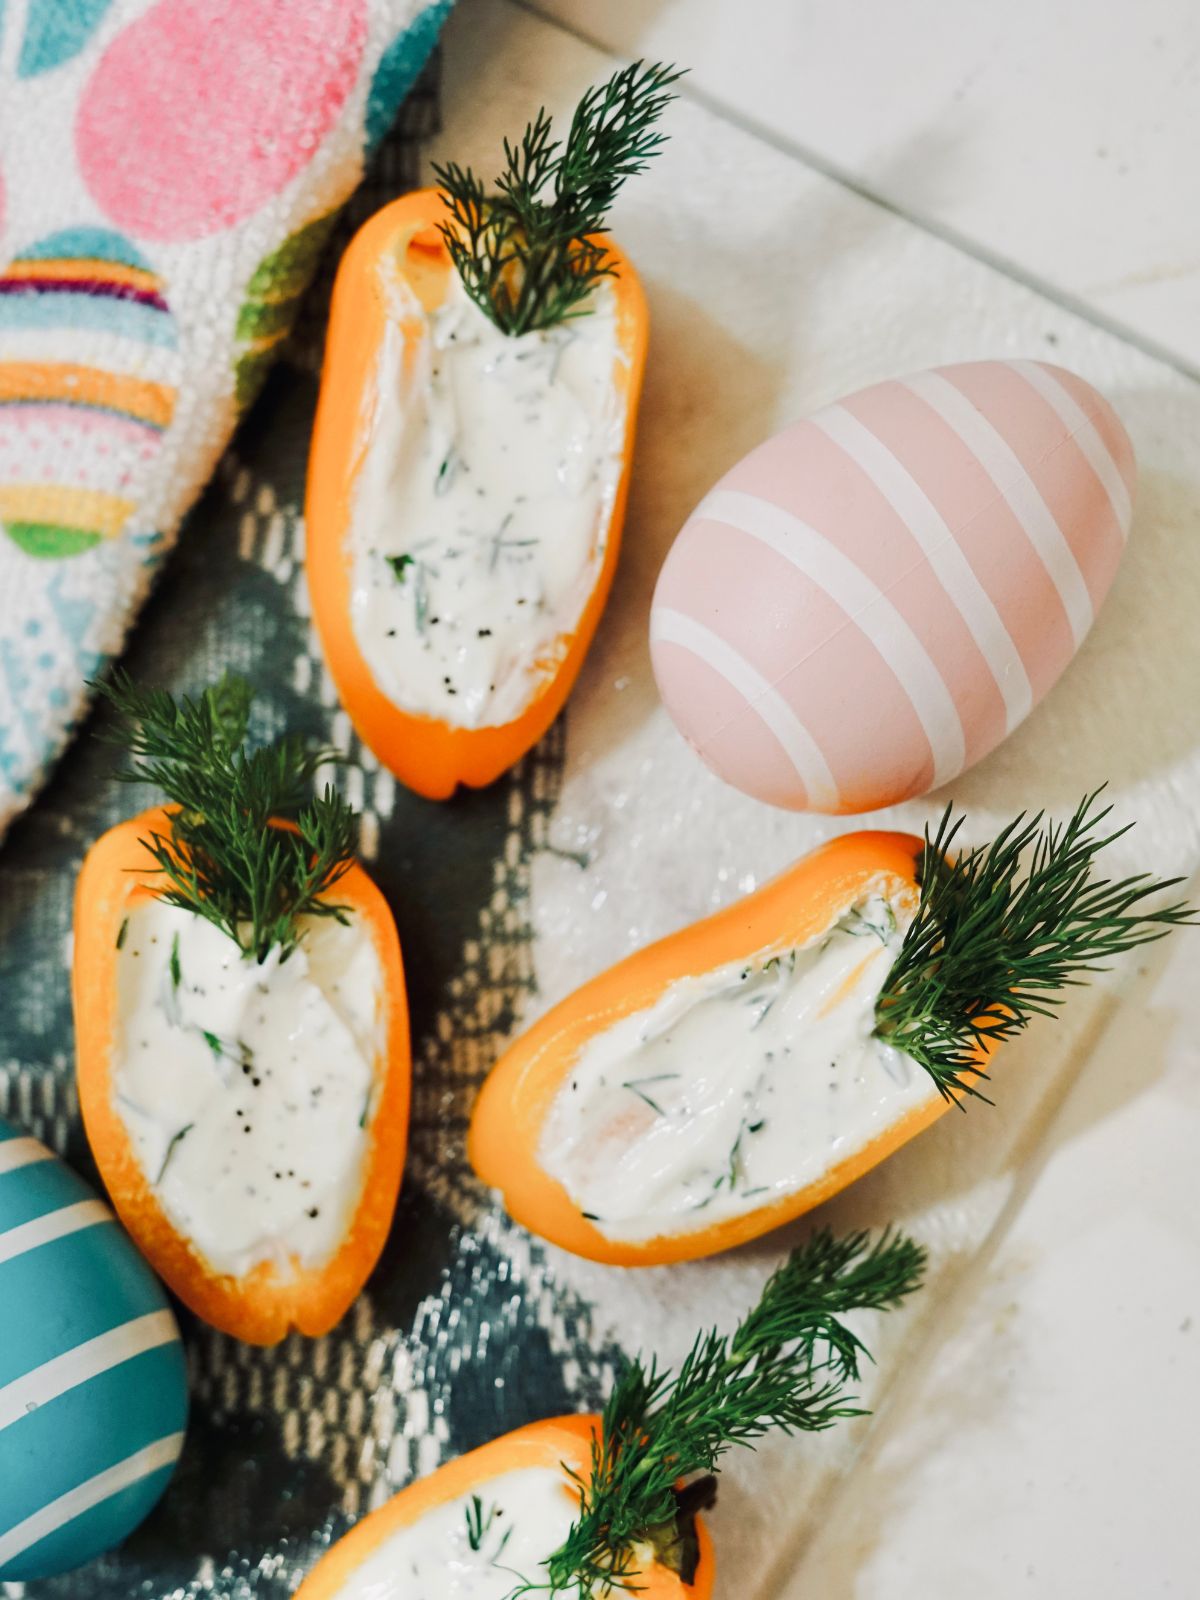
[[738, 1086], [749, 1083], [249, 1002]]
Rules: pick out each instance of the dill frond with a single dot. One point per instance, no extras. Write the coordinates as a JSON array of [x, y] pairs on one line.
[[220, 856], [526, 251], [994, 945], [786, 1366]]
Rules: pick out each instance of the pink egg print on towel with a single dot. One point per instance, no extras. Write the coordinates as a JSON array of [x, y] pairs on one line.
[[224, 102]]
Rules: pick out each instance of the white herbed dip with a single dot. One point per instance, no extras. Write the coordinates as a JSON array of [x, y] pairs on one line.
[[738, 1087], [476, 1547], [480, 515], [248, 1089]]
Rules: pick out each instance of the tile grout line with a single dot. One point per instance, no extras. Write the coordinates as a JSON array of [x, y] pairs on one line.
[[960, 242]]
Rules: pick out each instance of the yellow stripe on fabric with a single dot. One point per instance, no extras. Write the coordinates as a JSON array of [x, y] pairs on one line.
[[89, 509], [63, 380], [81, 270]]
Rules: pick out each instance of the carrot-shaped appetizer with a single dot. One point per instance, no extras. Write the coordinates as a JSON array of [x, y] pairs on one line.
[[595, 1507], [471, 453], [734, 1075], [241, 1024]]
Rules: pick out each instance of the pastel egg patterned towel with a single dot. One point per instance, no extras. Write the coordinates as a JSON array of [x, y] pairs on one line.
[[169, 171], [93, 1387]]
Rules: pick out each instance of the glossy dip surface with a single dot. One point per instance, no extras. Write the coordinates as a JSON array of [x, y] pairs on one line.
[[737, 1087], [490, 467], [248, 1088], [476, 1547]]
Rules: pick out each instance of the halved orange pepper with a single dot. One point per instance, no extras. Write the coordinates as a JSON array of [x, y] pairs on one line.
[[262, 1305], [559, 1441], [507, 1121], [402, 242]]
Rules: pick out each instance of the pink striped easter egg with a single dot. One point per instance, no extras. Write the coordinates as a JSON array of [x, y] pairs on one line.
[[870, 601]]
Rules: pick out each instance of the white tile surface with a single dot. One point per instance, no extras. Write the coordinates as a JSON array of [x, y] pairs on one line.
[[1047, 1446], [1058, 135], [773, 289]]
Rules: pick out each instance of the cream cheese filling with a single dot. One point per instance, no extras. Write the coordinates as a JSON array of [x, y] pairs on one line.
[[481, 508], [248, 1089], [738, 1087], [476, 1547]]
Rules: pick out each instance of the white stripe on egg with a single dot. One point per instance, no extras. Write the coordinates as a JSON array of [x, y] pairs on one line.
[[951, 567], [865, 604], [86, 1361], [1002, 465], [672, 627], [54, 1225], [1085, 434], [16, 1153], [86, 1496]]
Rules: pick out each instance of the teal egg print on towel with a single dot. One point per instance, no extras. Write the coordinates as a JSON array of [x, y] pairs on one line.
[[93, 1386], [56, 31], [398, 69]]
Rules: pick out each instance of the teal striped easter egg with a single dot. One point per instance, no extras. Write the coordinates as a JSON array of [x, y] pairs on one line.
[[93, 1388]]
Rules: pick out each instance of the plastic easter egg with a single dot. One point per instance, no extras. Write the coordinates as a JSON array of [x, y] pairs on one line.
[[93, 1388], [88, 382], [874, 598]]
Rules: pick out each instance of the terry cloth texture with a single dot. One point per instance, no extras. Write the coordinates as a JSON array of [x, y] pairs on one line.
[[169, 173]]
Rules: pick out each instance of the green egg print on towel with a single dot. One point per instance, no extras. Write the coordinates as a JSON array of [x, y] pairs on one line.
[[272, 300], [93, 1386]]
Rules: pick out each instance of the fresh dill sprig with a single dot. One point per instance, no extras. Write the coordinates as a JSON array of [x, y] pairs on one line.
[[786, 1366], [992, 946], [221, 856], [527, 252]]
